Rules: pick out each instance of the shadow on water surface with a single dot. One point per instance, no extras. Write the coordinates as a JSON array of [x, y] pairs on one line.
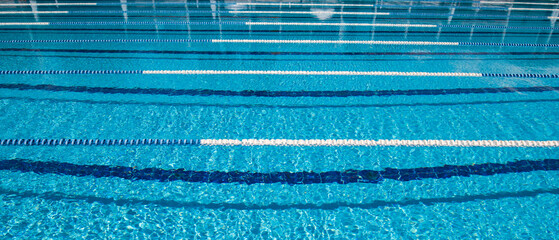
[[177, 104], [54, 196]]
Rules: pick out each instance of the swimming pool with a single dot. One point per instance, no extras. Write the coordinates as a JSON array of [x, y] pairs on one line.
[[260, 120]]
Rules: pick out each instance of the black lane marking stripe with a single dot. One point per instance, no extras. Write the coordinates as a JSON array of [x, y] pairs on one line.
[[259, 53], [291, 178], [252, 93]]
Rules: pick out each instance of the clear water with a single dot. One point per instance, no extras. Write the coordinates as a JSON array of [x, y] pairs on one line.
[[57, 205]]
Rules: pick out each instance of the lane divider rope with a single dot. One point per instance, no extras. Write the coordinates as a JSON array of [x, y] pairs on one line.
[[396, 25], [33, 12], [534, 9], [23, 23], [380, 42], [389, 6], [330, 73], [273, 41], [281, 142], [309, 12], [284, 4], [523, 3], [236, 4], [305, 4], [279, 72], [46, 4], [139, 23], [476, 16], [339, 24]]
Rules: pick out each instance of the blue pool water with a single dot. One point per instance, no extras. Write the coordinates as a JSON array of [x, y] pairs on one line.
[[282, 120]]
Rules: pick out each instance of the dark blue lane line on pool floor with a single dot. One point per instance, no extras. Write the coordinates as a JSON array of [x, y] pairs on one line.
[[251, 93], [340, 177], [347, 18], [260, 53]]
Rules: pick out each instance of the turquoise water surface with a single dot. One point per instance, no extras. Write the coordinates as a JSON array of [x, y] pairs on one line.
[[73, 73]]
